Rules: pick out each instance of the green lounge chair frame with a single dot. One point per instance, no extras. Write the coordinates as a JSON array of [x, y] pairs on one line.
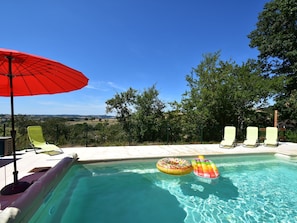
[[38, 143], [229, 139], [252, 133], [271, 136]]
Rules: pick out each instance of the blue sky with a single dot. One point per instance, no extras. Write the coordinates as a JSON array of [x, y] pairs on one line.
[[119, 44]]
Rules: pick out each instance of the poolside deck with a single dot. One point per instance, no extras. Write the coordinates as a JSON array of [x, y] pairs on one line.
[[28, 161]]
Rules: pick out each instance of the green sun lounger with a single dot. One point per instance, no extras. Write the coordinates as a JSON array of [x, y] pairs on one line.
[[271, 136], [251, 136], [38, 143], [229, 139]]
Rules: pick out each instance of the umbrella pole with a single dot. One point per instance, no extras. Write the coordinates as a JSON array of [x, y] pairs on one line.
[[17, 186], [13, 132]]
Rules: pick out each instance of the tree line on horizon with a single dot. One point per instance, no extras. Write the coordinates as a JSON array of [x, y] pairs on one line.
[[219, 93]]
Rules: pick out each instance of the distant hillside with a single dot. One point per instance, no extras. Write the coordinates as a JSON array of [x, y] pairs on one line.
[[5, 117], [64, 116]]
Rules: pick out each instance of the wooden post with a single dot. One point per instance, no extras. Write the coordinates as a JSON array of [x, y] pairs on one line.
[[275, 118]]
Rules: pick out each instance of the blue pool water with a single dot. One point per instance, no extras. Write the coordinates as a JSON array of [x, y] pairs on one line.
[[258, 188]]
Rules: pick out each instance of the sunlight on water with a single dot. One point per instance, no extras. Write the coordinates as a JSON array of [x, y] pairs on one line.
[[250, 189]]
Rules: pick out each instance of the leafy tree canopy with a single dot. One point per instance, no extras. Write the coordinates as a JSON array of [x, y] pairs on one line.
[[276, 39], [140, 114], [224, 93]]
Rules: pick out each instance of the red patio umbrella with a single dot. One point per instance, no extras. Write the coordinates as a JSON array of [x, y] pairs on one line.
[[23, 74]]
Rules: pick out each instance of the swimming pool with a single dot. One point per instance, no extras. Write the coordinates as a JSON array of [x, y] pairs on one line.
[[259, 188]]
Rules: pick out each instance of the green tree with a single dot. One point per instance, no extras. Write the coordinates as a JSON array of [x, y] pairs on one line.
[[149, 115], [123, 104], [55, 130], [275, 38], [78, 134], [288, 110], [223, 93], [139, 113], [173, 123]]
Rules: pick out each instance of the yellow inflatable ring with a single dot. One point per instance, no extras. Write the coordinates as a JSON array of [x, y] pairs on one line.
[[174, 166]]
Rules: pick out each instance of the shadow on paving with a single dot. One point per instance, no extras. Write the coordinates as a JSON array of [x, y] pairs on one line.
[[4, 161]]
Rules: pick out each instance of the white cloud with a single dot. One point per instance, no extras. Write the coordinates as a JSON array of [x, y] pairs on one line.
[[115, 86], [105, 86]]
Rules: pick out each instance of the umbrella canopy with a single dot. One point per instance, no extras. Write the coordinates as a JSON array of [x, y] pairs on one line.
[[35, 75], [23, 74]]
